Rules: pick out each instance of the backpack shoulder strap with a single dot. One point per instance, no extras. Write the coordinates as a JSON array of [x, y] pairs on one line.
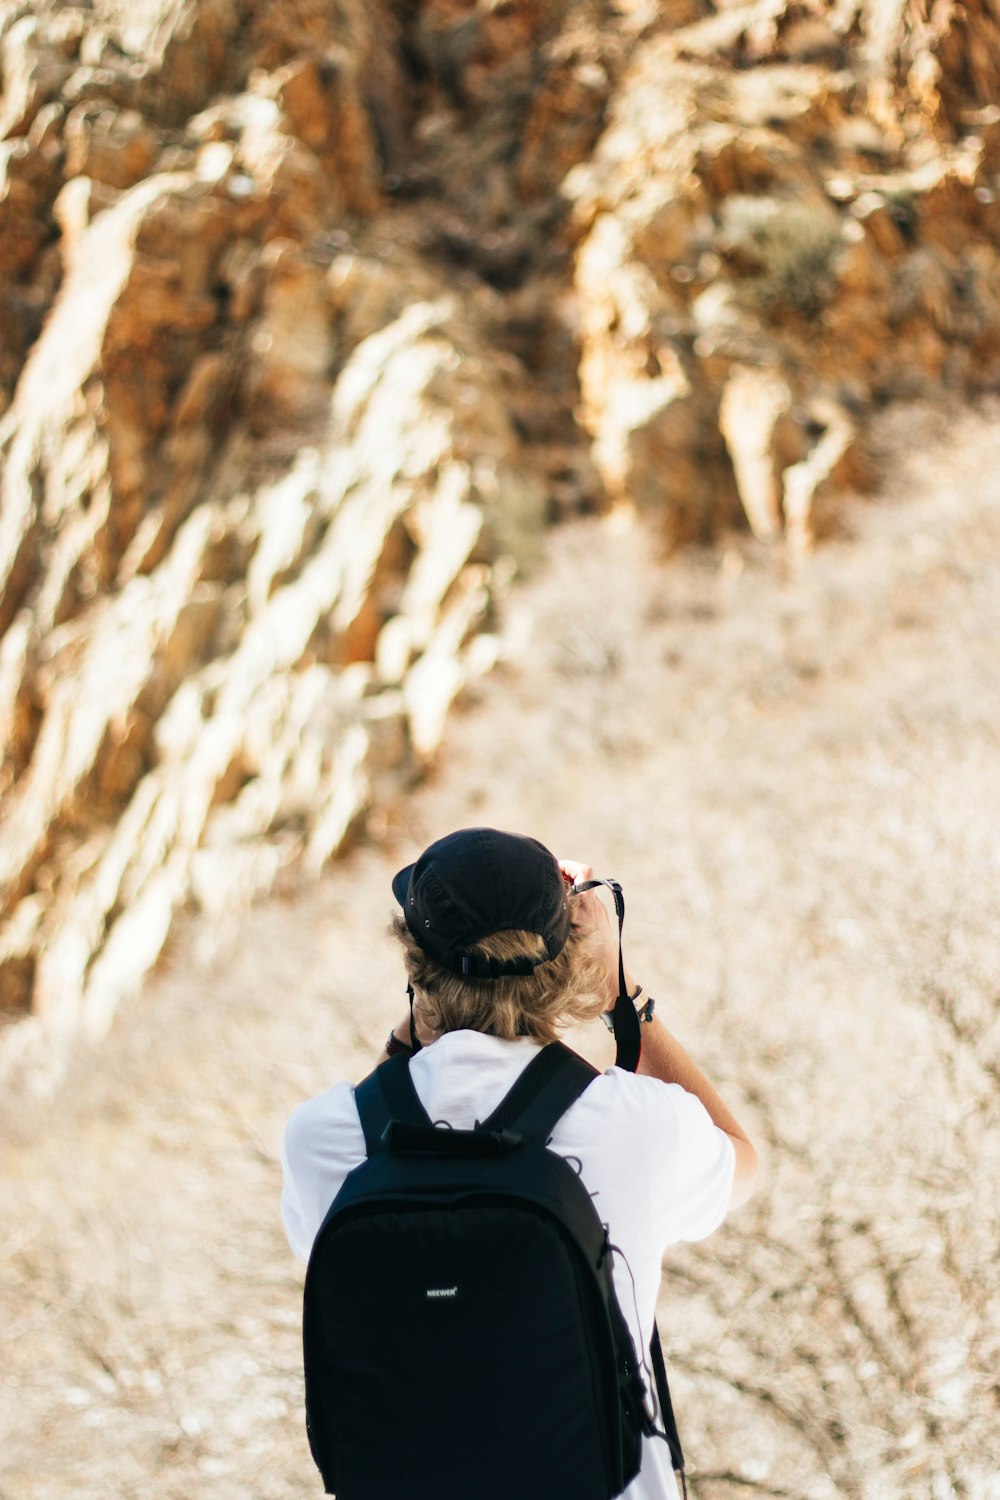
[[542, 1093], [666, 1405], [388, 1094], [553, 1080]]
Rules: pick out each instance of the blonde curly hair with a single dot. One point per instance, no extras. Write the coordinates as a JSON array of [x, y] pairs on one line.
[[569, 988]]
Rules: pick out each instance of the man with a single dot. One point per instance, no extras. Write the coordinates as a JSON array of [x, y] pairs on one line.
[[501, 953]]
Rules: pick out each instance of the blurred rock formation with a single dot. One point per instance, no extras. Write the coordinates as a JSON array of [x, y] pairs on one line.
[[313, 315]]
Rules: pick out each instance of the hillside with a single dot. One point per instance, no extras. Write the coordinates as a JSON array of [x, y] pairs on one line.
[[793, 770], [314, 316]]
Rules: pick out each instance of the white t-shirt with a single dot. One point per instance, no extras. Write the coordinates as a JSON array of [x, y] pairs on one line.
[[657, 1168]]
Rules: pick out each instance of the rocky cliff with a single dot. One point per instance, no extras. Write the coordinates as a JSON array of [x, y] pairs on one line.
[[313, 315]]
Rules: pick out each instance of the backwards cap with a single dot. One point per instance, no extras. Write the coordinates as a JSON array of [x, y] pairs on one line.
[[478, 881]]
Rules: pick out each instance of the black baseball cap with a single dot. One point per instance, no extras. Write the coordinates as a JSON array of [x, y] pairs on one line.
[[478, 881]]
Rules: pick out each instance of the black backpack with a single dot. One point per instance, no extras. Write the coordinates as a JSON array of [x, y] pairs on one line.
[[462, 1336]]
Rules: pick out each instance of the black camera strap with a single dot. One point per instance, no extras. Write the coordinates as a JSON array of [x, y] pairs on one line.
[[627, 1028]]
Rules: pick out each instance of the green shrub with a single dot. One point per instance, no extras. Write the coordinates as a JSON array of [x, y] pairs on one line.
[[786, 247]]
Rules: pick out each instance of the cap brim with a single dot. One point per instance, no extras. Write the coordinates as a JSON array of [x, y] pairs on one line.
[[401, 884]]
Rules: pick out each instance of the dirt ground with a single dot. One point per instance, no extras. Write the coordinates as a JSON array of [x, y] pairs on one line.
[[795, 772]]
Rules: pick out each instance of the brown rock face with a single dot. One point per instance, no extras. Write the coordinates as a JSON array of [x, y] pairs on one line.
[[311, 312], [760, 220]]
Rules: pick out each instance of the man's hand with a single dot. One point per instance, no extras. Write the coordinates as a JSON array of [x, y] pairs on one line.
[[590, 916]]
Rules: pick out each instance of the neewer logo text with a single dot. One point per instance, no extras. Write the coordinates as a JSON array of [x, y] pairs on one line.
[[442, 1291]]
